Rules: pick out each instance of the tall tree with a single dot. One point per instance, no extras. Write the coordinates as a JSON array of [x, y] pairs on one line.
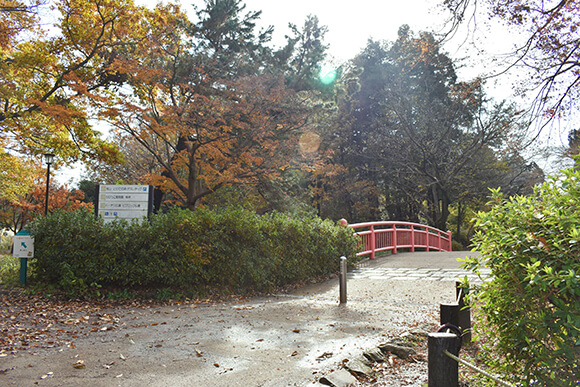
[[53, 82], [302, 56], [445, 126], [201, 106], [415, 131], [50, 81]]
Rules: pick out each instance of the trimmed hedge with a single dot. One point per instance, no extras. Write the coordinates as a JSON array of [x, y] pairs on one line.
[[230, 249]]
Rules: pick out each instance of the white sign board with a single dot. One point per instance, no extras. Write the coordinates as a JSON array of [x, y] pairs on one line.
[[124, 201], [23, 246]]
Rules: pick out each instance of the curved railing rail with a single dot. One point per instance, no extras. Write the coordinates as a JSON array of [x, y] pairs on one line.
[[385, 236]]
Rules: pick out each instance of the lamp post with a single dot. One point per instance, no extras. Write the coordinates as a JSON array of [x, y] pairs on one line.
[[48, 159]]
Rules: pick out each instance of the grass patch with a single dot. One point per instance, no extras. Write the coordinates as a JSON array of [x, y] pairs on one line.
[[9, 270]]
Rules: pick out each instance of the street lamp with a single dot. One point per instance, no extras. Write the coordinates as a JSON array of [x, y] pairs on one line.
[[48, 159]]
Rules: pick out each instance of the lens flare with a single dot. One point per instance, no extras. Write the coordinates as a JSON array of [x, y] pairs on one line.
[[328, 74], [309, 142]]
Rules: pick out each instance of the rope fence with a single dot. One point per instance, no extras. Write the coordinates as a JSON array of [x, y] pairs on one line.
[[479, 370], [445, 344]]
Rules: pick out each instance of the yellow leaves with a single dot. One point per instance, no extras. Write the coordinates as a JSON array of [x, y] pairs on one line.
[[16, 176], [13, 23], [105, 22], [52, 79]]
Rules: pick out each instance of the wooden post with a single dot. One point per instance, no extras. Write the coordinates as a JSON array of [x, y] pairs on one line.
[[449, 314], [464, 319], [342, 282], [443, 371]]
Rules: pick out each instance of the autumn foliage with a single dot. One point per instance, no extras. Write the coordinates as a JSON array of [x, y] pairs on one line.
[[202, 108], [197, 102], [19, 211]]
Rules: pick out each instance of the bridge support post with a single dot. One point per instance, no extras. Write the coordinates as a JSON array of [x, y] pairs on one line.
[[395, 239], [373, 242]]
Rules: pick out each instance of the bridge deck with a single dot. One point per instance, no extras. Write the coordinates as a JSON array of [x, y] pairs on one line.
[[433, 266], [421, 259]]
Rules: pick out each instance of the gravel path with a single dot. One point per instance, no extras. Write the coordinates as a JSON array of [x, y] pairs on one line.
[[283, 340]]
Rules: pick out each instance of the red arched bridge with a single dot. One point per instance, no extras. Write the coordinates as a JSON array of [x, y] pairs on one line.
[[391, 236]]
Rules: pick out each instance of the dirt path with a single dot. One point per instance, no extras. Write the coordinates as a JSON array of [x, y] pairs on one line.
[[283, 340]]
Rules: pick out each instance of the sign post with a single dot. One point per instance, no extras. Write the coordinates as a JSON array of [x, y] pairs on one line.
[[23, 248], [124, 202]]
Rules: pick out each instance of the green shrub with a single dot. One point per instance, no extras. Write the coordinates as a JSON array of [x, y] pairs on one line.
[[5, 243], [456, 245], [9, 270], [530, 322], [231, 249]]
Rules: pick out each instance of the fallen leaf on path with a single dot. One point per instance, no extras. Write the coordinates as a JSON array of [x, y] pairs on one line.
[[80, 364], [324, 356]]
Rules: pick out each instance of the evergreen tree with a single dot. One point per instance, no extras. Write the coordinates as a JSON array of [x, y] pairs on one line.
[[416, 134]]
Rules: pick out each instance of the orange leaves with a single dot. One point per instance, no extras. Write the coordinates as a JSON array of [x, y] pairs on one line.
[[30, 202], [231, 135]]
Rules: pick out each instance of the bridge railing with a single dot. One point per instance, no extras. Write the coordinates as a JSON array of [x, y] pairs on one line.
[[385, 236]]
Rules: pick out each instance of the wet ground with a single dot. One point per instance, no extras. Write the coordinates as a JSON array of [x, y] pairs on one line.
[[282, 340]]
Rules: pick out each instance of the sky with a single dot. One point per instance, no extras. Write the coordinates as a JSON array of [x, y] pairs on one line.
[[349, 25]]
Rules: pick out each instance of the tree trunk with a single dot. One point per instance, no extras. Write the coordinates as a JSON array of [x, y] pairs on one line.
[[441, 222], [440, 207], [459, 219]]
